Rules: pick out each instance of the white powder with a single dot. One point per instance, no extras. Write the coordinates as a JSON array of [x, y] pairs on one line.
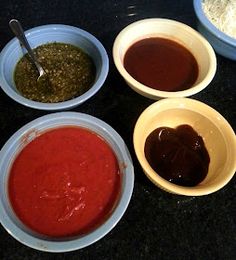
[[222, 13]]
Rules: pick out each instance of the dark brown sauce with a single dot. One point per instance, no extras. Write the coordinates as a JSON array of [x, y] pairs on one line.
[[178, 155], [161, 64]]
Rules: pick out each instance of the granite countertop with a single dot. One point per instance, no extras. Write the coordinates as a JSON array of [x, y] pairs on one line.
[[156, 225]]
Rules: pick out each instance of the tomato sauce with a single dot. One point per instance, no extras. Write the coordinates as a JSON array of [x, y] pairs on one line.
[[161, 64], [65, 182]]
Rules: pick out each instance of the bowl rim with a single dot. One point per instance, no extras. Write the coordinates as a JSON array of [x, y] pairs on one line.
[[147, 91], [210, 26], [192, 105], [55, 120], [60, 105]]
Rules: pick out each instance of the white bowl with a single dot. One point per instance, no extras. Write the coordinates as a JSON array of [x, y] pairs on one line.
[[173, 30], [13, 51], [218, 136], [8, 218]]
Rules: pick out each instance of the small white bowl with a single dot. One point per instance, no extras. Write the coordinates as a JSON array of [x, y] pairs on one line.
[[37, 36], [8, 218], [218, 136], [173, 30]]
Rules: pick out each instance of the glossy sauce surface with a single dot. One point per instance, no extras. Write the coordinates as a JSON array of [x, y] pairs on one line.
[[178, 155], [161, 64], [65, 182]]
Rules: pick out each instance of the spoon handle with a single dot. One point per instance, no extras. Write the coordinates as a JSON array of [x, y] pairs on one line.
[[19, 33]]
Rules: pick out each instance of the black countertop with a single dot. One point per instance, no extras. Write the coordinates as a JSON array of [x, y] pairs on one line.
[[156, 225]]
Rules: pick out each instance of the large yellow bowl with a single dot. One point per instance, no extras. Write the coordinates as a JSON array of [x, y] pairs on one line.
[[173, 30], [218, 136]]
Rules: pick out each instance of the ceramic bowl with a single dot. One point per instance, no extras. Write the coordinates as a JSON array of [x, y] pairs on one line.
[[173, 30], [218, 136], [13, 51], [223, 44], [8, 218]]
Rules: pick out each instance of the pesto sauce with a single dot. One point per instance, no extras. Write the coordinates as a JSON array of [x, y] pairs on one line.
[[70, 72]]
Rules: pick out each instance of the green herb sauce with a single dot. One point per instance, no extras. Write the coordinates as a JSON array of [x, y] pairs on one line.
[[70, 73]]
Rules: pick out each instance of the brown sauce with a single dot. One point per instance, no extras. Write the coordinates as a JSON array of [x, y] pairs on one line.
[[178, 155], [161, 64]]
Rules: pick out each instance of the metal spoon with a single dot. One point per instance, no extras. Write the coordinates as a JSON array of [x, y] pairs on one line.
[[19, 33]]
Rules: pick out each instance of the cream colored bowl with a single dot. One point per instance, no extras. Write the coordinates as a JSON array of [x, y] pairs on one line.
[[173, 30], [218, 136]]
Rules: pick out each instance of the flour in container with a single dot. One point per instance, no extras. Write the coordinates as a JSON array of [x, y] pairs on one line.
[[222, 13]]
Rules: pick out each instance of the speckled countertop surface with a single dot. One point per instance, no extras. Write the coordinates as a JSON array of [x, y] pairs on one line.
[[156, 225]]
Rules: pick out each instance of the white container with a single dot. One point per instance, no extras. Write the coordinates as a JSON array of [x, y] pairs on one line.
[[218, 136], [173, 30]]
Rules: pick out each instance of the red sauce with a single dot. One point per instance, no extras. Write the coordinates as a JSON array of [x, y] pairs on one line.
[[161, 64], [65, 182], [178, 155]]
